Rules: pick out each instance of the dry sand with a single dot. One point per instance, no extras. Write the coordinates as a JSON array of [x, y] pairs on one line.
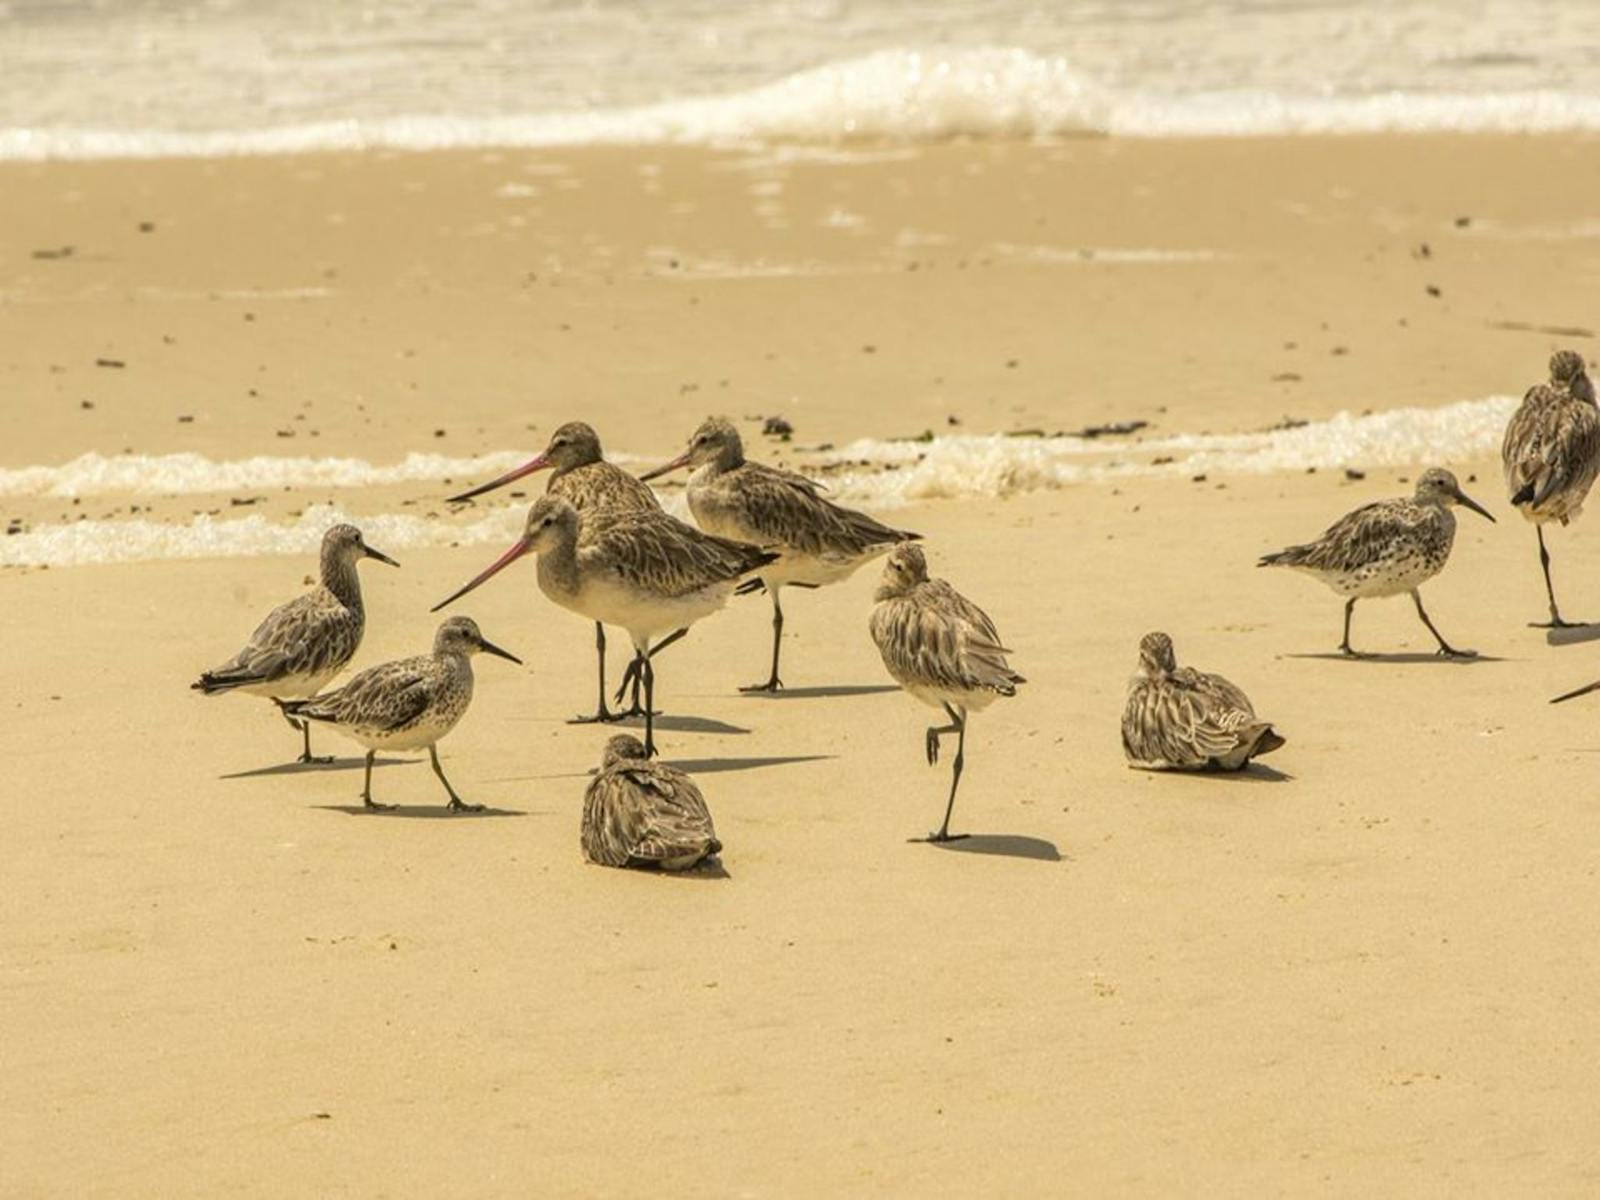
[[1367, 969]]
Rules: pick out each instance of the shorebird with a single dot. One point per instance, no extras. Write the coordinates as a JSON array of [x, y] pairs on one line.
[[581, 476], [409, 703], [638, 813], [645, 572], [1180, 719], [943, 649], [306, 642], [820, 542], [1386, 548], [1551, 455]]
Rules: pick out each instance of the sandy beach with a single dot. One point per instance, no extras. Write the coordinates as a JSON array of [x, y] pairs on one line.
[[1362, 967]]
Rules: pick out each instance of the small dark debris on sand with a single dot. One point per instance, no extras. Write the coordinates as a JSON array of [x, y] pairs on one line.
[[116, 363], [1463, 222], [1432, 290], [60, 252], [1025, 433], [85, 404], [185, 419], [147, 226], [1286, 423], [1197, 479], [1552, 330], [1353, 475], [1114, 429], [776, 427], [244, 501], [1286, 377]]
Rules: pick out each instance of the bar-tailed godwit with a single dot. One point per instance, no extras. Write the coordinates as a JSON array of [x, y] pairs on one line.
[[1180, 719], [409, 703], [820, 541], [638, 813], [943, 649], [581, 476], [643, 571], [1387, 548], [303, 644], [1551, 455]]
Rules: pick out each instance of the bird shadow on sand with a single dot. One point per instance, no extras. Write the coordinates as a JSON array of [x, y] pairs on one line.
[[1409, 656], [1255, 772], [419, 811], [1003, 845], [338, 764], [1570, 635], [709, 766], [706, 869], [674, 724], [825, 692]]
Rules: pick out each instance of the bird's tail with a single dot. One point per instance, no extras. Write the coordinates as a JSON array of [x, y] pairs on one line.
[[1287, 557], [214, 683], [1262, 739]]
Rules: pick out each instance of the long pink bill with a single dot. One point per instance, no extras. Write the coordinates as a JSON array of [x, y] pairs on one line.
[[527, 468], [518, 549], [681, 461]]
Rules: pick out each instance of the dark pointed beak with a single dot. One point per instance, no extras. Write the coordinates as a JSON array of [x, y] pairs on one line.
[[489, 647], [681, 461], [520, 547], [527, 468], [1463, 498], [381, 557], [1583, 691]]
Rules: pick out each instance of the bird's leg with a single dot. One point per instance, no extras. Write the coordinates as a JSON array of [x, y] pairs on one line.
[[632, 676], [773, 683], [649, 674], [304, 729], [366, 786], [601, 713], [1445, 647], [1555, 621], [959, 727], [934, 731], [457, 804], [1344, 646]]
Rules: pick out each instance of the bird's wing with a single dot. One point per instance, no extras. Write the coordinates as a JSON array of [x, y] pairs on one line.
[[659, 552], [310, 635], [783, 509], [935, 637], [387, 698], [1552, 445], [1184, 719], [644, 812], [1358, 537]]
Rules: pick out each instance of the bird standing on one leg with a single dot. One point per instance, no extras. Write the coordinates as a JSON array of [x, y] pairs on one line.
[[581, 476], [944, 650], [1551, 456], [409, 703], [1180, 719], [820, 541], [303, 644], [1386, 548]]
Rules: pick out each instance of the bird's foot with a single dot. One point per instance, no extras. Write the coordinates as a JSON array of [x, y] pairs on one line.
[[457, 804], [603, 717], [772, 685], [1447, 651], [376, 807], [1348, 652], [944, 835], [933, 747], [320, 760]]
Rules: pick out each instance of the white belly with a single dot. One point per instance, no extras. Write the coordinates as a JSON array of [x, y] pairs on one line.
[[645, 617], [290, 687], [973, 701]]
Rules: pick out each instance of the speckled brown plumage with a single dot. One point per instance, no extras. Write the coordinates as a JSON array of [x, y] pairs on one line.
[[1386, 548], [303, 644], [1177, 718], [639, 813], [1551, 454], [942, 649]]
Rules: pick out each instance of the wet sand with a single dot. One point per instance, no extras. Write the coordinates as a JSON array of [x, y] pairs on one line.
[[1361, 967]]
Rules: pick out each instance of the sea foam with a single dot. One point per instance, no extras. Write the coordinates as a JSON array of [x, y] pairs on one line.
[[872, 473], [890, 95]]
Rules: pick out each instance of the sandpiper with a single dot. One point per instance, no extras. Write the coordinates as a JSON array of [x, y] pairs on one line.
[[638, 813], [303, 644], [943, 649], [1551, 455], [820, 542], [645, 572], [1180, 719], [1386, 548], [580, 475], [409, 703]]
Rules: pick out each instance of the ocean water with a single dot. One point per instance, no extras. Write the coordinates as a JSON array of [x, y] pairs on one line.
[[875, 474], [96, 78]]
